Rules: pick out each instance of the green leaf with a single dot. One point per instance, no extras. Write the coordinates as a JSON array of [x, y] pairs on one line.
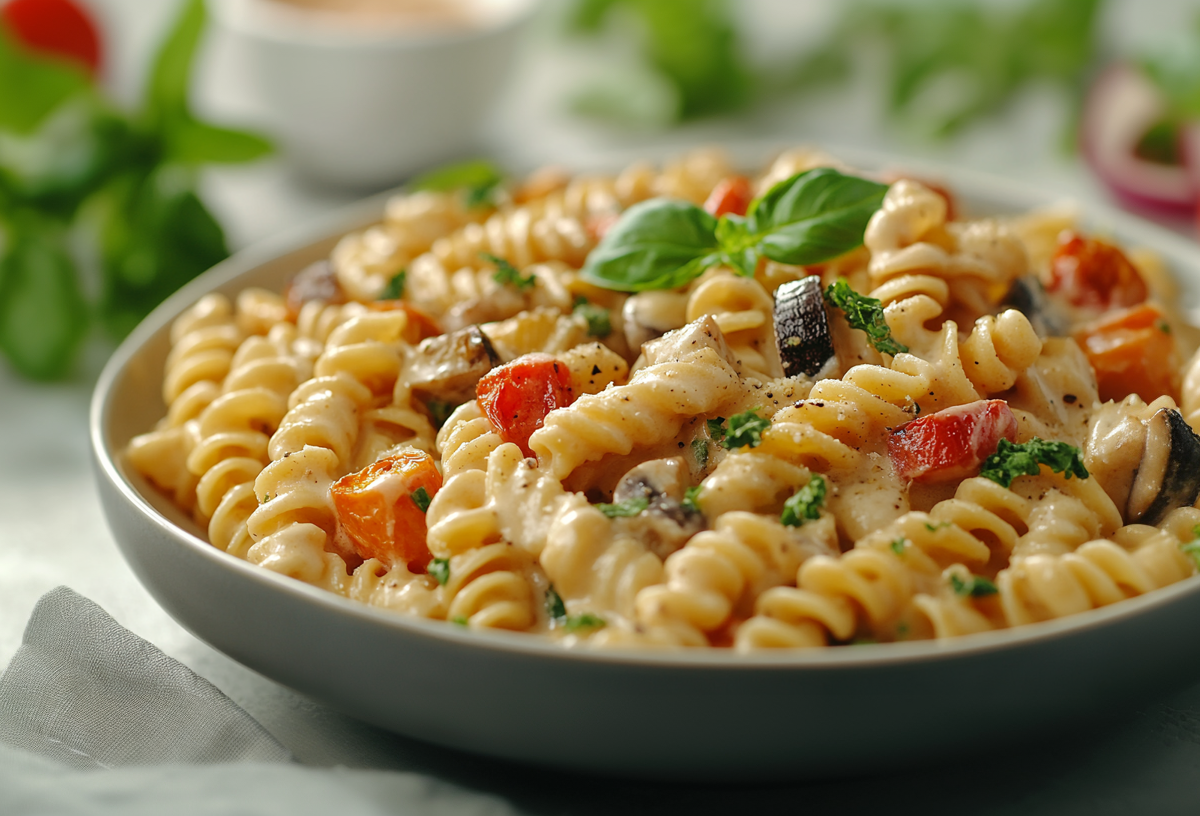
[[479, 180], [421, 499], [1024, 459], [811, 217], [43, 316], [32, 85], [625, 509], [744, 430], [507, 274], [578, 623], [394, 288], [555, 608], [864, 313], [691, 498], [599, 321], [806, 504], [716, 428], [166, 94], [439, 568], [974, 586], [191, 142], [656, 244]]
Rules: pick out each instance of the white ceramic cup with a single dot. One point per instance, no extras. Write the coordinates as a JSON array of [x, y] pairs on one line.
[[362, 107]]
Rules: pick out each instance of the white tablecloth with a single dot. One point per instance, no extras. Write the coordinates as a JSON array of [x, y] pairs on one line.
[[52, 532]]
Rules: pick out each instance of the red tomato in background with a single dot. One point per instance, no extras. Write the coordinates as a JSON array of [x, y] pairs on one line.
[[952, 443], [517, 397], [1091, 272], [59, 28], [732, 195]]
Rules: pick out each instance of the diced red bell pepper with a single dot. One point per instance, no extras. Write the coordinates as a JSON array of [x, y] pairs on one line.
[[732, 195], [1133, 352], [379, 508], [60, 28], [516, 397], [952, 443], [1090, 272]]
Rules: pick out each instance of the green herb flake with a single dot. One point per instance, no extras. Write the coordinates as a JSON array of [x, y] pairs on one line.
[[745, 430], [440, 411], [700, 451], [806, 504], [578, 623], [460, 620], [690, 497], [421, 498], [394, 289], [898, 546], [863, 641], [1164, 327], [625, 509], [439, 568], [716, 428], [507, 274], [1022, 459], [599, 322], [479, 181], [974, 586], [556, 610], [933, 528], [864, 313], [1192, 548]]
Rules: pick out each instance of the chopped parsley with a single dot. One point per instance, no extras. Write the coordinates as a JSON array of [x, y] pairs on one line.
[[742, 430], [421, 498], [265, 499], [439, 412], [898, 546], [599, 322], [1164, 327], [486, 194], [865, 313], [576, 623], [689, 498], [1022, 459], [439, 568], [555, 609], [394, 289], [974, 586], [459, 620], [507, 274], [716, 428], [625, 509], [933, 528], [806, 504], [700, 451], [1192, 548]]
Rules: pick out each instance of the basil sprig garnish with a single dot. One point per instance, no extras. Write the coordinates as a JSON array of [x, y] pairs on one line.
[[663, 243]]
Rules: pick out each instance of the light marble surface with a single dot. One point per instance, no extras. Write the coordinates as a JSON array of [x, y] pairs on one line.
[[52, 531]]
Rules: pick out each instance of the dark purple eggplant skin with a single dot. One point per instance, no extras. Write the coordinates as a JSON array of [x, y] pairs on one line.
[[1030, 298], [802, 327], [1181, 482]]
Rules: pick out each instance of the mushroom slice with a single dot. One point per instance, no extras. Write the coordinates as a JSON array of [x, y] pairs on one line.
[[802, 327], [1169, 473], [1029, 297], [447, 367], [666, 524]]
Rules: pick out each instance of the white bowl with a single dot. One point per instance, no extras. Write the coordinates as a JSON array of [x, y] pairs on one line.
[[684, 714], [357, 107]]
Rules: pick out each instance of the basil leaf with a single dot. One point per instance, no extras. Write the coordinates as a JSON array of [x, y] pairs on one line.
[[474, 174], [656, 244], [167, 88], [43, 316], [811, 217], [32, 85], [192, 142]]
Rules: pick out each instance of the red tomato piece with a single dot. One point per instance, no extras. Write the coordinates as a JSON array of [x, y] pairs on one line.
[[379, 509], [420, 325], [516, 397], [1133, 352], [732, 195], [59, 28], [952, 443], [1090, 272]]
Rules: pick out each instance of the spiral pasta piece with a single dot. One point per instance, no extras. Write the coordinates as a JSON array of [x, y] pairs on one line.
[[745, 313], [203, 340]]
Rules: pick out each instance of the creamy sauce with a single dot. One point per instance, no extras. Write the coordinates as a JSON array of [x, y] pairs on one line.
[[393, 14]]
